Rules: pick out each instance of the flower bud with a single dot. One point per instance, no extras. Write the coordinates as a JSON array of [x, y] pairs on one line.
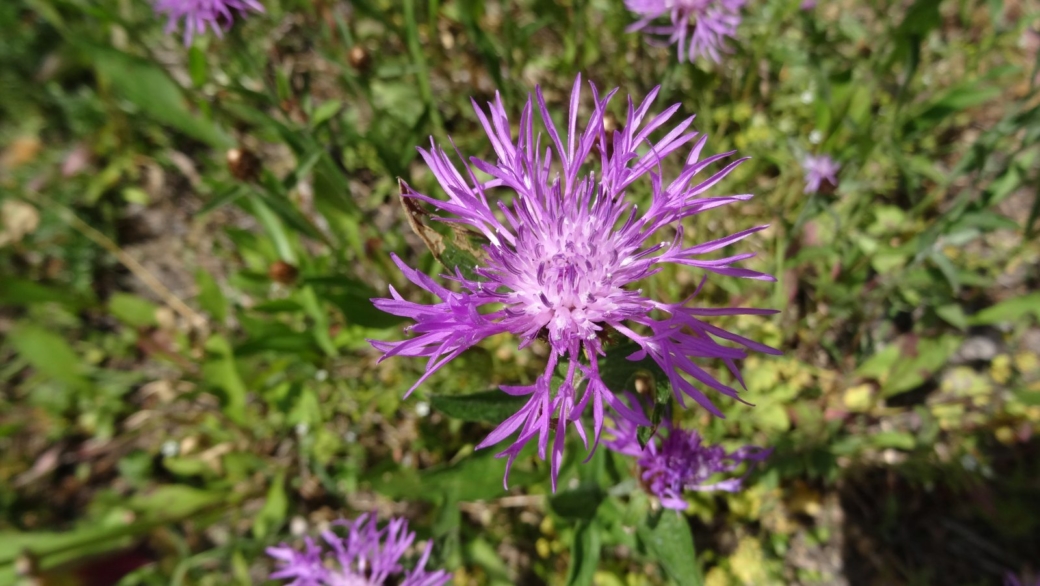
[[243, 164], [359, 58], [283, 272]]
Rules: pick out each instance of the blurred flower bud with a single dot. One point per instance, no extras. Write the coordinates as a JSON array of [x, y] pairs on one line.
[[243, 164], [282, 272], [359, 58]]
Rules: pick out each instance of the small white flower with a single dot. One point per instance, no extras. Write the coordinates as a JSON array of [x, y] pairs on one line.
[[422, 409], [298, 526], [170, 448]]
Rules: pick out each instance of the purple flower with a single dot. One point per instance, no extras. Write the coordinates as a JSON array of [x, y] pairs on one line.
[[818, 168], [681, 462], [808, 4], [198, 14], [367, 556], [562, 254], [701, 24], [1012, 580]]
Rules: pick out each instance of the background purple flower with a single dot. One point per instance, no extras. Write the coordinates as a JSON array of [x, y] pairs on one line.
[[817, 169], [367, 556], [196, 15], [679, 462], [562, 256], [1011, 579], [699, 27]]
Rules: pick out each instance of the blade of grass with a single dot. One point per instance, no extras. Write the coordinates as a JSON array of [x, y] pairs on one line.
[[419, 60]]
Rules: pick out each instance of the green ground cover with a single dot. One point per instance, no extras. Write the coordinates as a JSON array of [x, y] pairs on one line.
[[189, 237]]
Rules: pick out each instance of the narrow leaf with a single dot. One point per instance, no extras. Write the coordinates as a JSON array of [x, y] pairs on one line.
[[488, 406]]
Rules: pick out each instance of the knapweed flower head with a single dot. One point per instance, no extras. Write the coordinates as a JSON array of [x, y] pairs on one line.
[[195, 16], [562, 259], [698, 27], [817, 170], [366, 556], [679, 462]]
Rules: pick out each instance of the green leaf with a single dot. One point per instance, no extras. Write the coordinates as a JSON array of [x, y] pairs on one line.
[[92, 538], [668, 540], [297, 343], [475, 477], [492, 406], [620, 374], [198, 69], [1008, 311], [15, 291], [210, 298], [136, 468], [585, 553], [222, 196], [901, 440], [470, 13], [220, 372], [1027, 397], [415, 49], [49, 354], [970, 93], [320, 330], [175, 501], [148, 87], [478, 551], [187, 466], [277, 306], [330, 181], [325, 112], [279, 236], [918, 363], [878, 365], [275, 197], [359, 310], [772, 417], [953, 101], [307, 409], [272, 515], [953, 314], [446, 532], [132, 310], [579, 503], [461, 259]]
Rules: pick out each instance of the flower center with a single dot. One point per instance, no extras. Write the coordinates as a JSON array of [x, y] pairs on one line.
[[570, 288], [563, 278]]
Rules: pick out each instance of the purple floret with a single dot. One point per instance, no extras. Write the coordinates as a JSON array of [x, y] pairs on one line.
[[565, 249], [198, 15], [367, 556], [679, 462], [817, 169], [698, 27]]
